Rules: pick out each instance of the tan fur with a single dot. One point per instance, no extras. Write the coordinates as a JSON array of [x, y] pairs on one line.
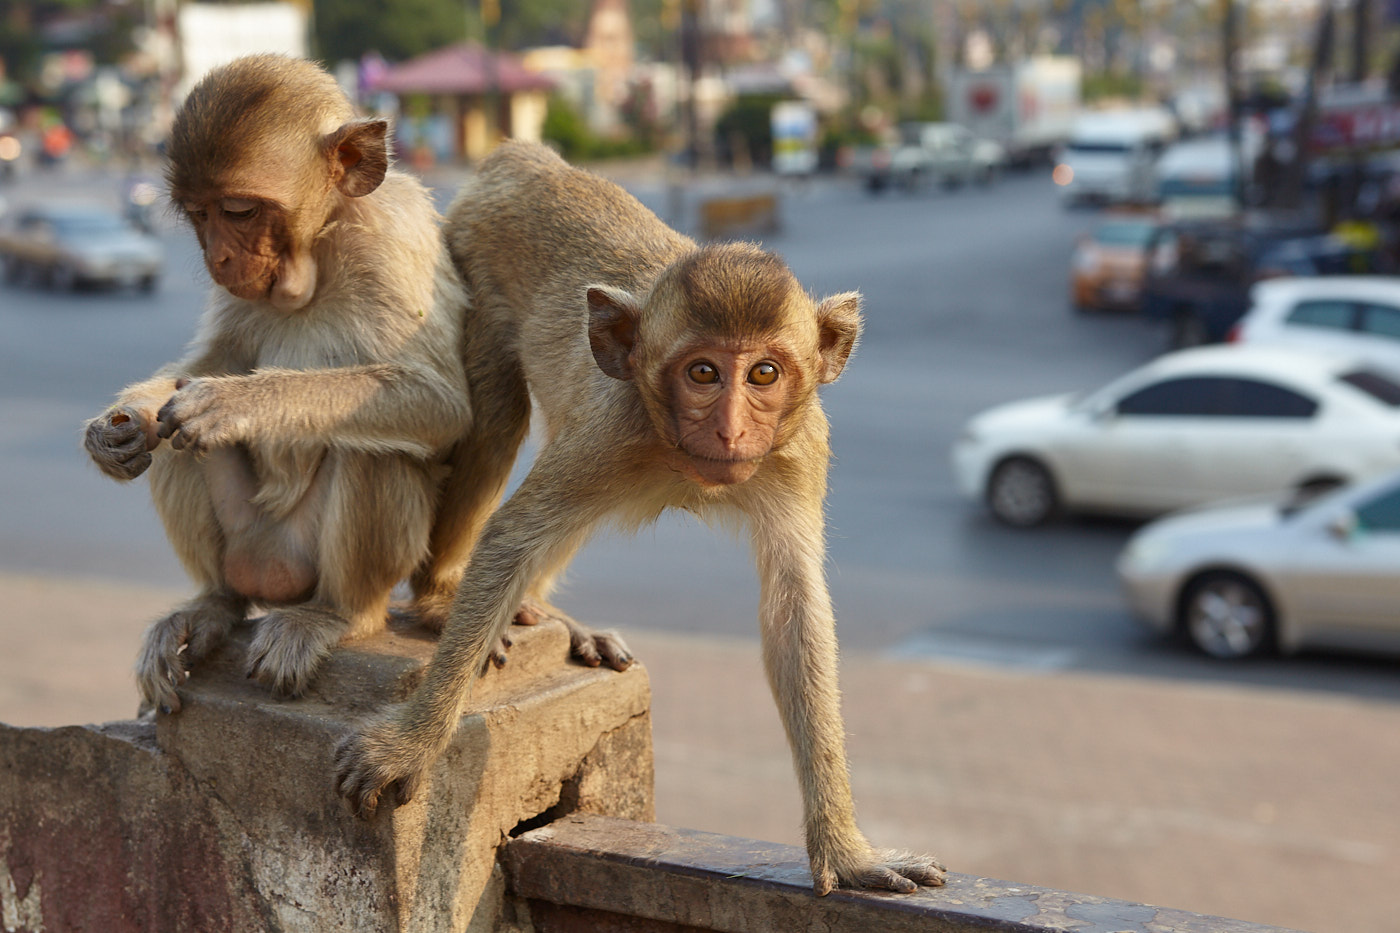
[[308, 436], [649, 358]]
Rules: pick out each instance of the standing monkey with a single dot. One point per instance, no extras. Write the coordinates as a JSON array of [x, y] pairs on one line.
[[312, 423], [670, 376]]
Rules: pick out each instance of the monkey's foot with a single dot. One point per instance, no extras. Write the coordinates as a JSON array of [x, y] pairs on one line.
[[171, 646], [377, 763], [290, 644], [883, 870], [591, 646], [429, 609]]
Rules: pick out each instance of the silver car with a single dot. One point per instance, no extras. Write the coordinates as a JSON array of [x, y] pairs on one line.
[[68, 245], [1248, 579]]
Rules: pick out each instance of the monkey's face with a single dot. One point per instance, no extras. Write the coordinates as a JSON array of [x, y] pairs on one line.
[[248, 249], [727, 402]]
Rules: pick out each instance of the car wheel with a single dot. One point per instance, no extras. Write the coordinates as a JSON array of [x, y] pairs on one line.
[[1226, 615], [63, 278], [14, 270], [1188, 330], [147, 283], [1021, 493]]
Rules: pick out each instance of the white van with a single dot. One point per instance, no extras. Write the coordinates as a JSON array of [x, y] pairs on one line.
[[1197, 178], [1110, 156]]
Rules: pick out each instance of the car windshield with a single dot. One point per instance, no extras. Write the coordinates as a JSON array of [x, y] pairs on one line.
[[88, 225], [1081, 147], [1381, 388], [1125, 233]]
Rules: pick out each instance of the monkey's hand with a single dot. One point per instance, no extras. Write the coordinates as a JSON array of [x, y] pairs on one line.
[[881, 869], [200, 416], [381, 758], [120, 442]]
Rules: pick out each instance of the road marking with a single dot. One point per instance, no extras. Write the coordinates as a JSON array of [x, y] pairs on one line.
[[959, 648]]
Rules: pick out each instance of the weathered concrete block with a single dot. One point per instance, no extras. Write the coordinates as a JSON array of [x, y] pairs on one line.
[[224, 816]]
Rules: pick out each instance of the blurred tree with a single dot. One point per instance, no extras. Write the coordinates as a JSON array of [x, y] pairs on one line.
[[397, 29], [402, 29], [28, 29]]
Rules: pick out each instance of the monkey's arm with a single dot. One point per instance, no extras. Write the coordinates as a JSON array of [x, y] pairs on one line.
[[379, 408], [799, 652], [546, 518]]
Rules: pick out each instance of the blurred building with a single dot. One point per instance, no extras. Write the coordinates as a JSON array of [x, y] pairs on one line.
[[458, 102]]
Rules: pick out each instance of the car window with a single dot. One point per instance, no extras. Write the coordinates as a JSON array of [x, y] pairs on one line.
[[1381, 513], [1125, 233], [1380, 388], [1337, 315], [1217, 397], [1382, 320]]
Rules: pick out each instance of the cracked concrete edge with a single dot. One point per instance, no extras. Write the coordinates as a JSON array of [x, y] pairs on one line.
[[606, 869]]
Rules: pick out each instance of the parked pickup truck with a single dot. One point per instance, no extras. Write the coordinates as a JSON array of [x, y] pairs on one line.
[[929, 153], [1200, 272]]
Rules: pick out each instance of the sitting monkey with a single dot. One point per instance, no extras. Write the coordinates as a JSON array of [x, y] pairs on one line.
[[297, 453]]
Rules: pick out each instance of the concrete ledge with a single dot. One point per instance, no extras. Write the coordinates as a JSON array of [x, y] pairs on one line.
[[224, 817], [612, 875]]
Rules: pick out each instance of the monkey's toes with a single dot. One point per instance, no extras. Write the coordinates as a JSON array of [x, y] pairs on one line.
[[902, 872], [613, 651]]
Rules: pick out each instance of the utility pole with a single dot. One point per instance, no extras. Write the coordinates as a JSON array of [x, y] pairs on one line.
[[1230, 43]]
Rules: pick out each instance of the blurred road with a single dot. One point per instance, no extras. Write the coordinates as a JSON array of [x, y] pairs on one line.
[[966, 306]]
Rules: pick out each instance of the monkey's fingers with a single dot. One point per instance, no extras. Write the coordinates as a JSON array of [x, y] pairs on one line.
[[353, 780]]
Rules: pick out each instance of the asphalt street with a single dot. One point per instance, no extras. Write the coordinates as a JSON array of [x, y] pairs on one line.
[[965, 305]]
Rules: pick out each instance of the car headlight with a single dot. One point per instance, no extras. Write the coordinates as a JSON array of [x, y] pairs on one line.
[[1086, 260], [1145, 551]]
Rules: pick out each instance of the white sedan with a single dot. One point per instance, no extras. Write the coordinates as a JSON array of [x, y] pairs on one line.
[[1253, 578], [1189, 428], [1354, 314]]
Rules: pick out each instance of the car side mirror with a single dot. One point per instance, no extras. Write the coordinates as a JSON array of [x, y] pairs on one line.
[[1343, 526]]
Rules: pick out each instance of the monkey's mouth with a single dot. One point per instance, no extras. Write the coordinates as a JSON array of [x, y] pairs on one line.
[[711, 472], [255, 288]]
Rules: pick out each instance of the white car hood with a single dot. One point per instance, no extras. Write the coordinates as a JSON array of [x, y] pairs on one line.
[[1037, 412], [1247, 516]]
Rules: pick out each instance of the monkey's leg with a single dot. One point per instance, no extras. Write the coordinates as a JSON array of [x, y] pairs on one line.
[[373, 522], [480, 465], [799, 654], [171, 646]]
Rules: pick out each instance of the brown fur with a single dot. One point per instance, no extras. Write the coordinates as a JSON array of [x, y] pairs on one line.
[[312, 425], [650, 359]]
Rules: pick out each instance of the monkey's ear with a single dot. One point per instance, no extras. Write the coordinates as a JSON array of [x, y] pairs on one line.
[[359, 156], [838, 329], [612, 328]]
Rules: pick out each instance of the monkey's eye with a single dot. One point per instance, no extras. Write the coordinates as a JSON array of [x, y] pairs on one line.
[[763, 374], [194, 210], [703, 373], [238, 208]]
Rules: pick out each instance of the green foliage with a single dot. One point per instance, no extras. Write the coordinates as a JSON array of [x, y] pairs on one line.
[[565, 128], [1112, 85], [748, 122], [397, 29], [108, 36]]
